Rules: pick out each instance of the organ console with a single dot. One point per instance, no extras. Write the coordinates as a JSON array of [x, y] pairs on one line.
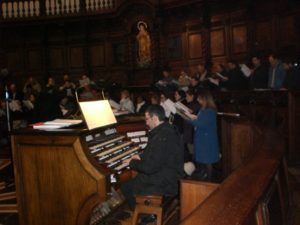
[[72, 176]]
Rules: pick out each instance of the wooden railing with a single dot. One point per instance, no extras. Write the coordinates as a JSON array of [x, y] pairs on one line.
[[256, 193], [21, 9]]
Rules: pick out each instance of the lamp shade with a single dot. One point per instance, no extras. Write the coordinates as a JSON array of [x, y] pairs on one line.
[[97, 113]]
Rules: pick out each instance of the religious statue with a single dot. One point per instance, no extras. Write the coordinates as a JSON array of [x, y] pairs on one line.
[[144, 45]]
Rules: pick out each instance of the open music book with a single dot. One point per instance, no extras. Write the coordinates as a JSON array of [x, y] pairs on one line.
[[180, 109], [114, 104], [245, 69]]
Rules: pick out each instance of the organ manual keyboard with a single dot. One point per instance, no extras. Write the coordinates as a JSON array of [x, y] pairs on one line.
[[72, 176]]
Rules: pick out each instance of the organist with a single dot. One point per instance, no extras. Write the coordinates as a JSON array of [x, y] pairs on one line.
[[161, 165]]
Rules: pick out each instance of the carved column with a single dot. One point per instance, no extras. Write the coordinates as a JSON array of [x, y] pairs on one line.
[[206, 21]]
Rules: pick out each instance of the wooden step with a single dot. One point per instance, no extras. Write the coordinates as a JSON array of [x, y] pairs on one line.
[[2, 185], [8, 208], [4, 163], [7, 195]]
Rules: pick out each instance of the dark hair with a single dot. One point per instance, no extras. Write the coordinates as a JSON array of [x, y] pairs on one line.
[[274, 55], [233, 62], [206, 95], [258, 56], [194, 78], [181, 93], [156, 110], [190, 92]]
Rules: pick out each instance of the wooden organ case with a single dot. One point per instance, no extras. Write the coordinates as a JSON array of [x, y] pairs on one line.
[[70, 177]]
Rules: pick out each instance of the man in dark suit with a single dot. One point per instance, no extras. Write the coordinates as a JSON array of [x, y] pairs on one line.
[[161, 165], [259, 75]]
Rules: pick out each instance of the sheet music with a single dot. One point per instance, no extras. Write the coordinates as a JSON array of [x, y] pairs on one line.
[[56, 124], [221, 76], [114, 104], [214, 81], [15, 105], [97, 113], [186, 115], [181, 106], [28, 104], [245, 69], [170, 105]]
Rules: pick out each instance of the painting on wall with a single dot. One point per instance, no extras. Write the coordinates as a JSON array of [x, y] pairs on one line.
[[143, 45]]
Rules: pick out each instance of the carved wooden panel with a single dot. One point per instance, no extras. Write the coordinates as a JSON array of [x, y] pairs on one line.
[[14, 60], [217, 42], [263, 35], [76, 57], [56, 58], [175, 47], [34, 59], [242, 143], [119, 53], [195, 45], [239, 39], [97, 55], [288, 32]]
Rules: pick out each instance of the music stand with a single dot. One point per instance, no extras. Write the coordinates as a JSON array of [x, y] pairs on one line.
[[97, 113]]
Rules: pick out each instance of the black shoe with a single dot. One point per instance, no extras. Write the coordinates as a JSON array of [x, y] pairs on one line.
[[147, 218]]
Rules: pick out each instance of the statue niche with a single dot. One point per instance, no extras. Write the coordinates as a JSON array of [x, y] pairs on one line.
[[144, 45]]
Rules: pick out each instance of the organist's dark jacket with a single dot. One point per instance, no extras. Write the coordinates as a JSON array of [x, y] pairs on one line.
[[161, 164]]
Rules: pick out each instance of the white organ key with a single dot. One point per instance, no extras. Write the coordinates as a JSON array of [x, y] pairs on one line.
[[122, 155], [136, 133], [122, 166], [107, 142], [114, 149]]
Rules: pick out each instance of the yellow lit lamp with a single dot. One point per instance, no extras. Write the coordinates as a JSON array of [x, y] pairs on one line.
[[97, 113]]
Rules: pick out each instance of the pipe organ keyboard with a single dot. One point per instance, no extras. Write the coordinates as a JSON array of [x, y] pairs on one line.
[[110, 148], [75, 172]]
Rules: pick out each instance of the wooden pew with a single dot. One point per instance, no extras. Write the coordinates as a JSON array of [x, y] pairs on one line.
[[256, 193]]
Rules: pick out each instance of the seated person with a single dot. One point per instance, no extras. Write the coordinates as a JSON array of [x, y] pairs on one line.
[[168, 83], [155, 99], [68, 87], [184, 81], [32, 86], [164, 100], [161, 165], [141, 104], [68, 106], [125, 103]]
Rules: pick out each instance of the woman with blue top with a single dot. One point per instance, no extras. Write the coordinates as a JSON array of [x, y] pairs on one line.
[[206, 146]]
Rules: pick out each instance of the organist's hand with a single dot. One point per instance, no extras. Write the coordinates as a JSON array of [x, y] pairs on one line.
[[136, 157], [126, 162]]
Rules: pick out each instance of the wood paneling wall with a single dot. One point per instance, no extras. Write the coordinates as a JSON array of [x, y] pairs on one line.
[[106, 47]]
